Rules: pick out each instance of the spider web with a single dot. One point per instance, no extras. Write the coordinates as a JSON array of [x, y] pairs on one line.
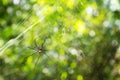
[[16, 39]]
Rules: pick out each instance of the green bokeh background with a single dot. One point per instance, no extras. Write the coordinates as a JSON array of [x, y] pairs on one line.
[[83, 39]]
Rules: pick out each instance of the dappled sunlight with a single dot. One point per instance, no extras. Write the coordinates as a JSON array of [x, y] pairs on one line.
[[79, 77], [92, 33], [59, 40], [73, 51], [80, 27], [71, 4], [115, 5]]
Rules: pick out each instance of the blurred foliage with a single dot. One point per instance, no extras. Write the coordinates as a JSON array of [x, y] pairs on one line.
[[83, 39]]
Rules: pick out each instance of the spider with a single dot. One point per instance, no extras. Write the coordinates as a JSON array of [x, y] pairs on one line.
[[38, 49]]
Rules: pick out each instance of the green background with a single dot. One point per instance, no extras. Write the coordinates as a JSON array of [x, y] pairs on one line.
[[82, 39]]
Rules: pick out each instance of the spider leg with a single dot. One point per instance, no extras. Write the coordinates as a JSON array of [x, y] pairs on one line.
[[29, 55], [32, 48], [44, 50], [36, 62], [42, 46], [36, 44], [48, 56], [25, 58]]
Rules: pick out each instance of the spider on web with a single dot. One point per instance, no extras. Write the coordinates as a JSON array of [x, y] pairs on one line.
[[40, 49]]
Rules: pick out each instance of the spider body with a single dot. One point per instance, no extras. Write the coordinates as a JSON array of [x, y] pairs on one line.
[[40, 51]]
